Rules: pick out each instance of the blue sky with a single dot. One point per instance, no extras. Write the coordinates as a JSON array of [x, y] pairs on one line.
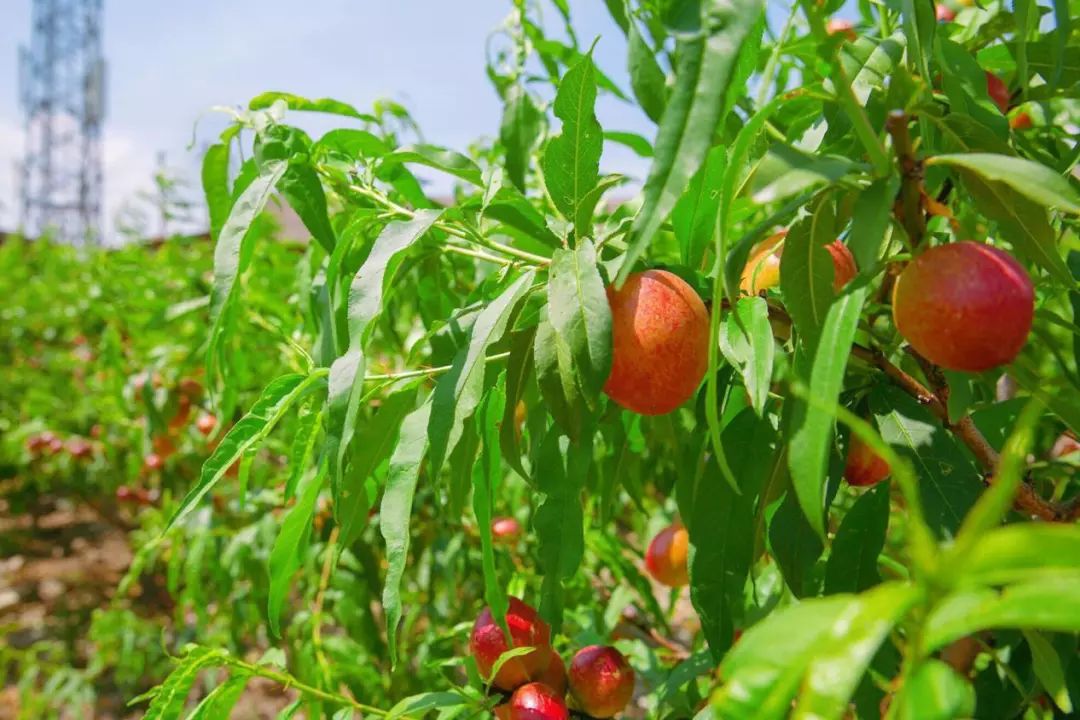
[[170, 62]]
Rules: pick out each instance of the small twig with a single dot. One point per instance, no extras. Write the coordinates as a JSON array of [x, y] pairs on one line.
[[911, 178], [317, 611]]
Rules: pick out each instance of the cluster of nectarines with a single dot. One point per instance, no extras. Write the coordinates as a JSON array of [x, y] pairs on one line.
[[963, 306], [600, 680], [47, 443]]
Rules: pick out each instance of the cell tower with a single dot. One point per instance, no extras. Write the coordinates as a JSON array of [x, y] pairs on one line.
[[62, 88]]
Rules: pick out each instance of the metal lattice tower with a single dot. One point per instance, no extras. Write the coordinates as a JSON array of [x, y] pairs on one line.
[[62, 89]]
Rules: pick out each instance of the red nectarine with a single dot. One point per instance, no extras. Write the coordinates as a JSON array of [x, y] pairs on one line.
[[944, 13], [864, 466], [536, 701], [660, 342], [998, 91], [487, 643], [666, 557], [763, 268], [205, 423], [601, 681], [505, 530], [554, 675], [964, 306]]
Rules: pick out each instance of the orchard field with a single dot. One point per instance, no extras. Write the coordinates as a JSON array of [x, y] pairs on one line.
[[785, 428]]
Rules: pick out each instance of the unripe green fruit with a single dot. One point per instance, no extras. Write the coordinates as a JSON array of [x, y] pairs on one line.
[[660, 342], [964, 306]]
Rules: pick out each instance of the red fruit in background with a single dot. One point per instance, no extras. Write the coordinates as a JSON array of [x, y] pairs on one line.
[[163, 446], [944, 13], [964, 306], [190, 388], [79, 448], [205, 424], [844, 268], [487, 643], [1064, 445], [601, 681], [666, 557], [1020, 121], [864, 466], [998, 92], [536, 701], [554, 675], [153, 462], [36, 443], [763, 268], [505, 529], [54, 445], [660, 342], [841, 27]]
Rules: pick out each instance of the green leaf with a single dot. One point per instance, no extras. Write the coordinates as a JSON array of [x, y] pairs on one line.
[[746, 339], [1022, 222], [706, 68], [870, 221], [290, 545], [1031, 179], [637, 143], [215, 181], [935, 692], [519, 367], [301, 187], [852, 564], [276, 400], [950, 482], [1024, 552], [694, 216], [453, 163], [395, 511], [847, 648], [366, 293], [556, 378], [352, 143], [763, 670], [786, 171], [647, 79], [998, 499], [812, 418], [1047, 665], [423, 702], [571, 160], [458, 392], [377, 273], [561, 471], [171, 696], [919, 22], [795, 545], [484, 485], [1062, 398], [1047, 604], [221, 700], [580, 315], [806, 272], [230, 259], [298, 103], [377, 440], [720, 524], [522, 123]]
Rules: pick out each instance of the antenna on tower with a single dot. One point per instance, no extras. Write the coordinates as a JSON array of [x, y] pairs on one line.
[[62, 90]]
